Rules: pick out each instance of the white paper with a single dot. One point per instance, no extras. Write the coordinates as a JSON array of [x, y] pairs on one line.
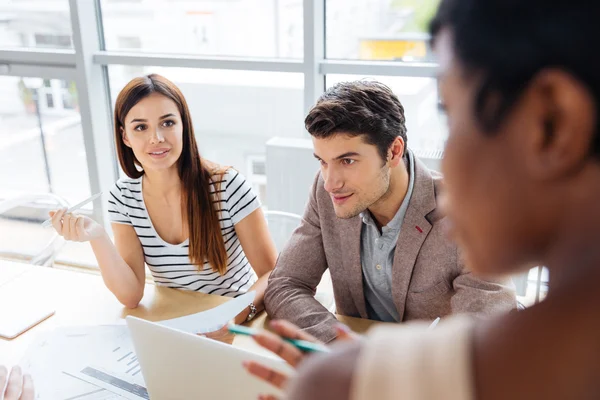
[[213, 319], [114, 367], [120, 375], [99, 362], [54, 354]]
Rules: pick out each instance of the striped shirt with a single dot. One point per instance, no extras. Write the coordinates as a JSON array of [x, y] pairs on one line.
[[169, 263]]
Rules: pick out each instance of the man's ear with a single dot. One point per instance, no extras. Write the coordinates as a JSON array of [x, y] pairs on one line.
[[124, 137], [396, 152]]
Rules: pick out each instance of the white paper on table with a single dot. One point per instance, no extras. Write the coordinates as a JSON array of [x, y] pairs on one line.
[[115, 368], [213, 319], [54, 354]]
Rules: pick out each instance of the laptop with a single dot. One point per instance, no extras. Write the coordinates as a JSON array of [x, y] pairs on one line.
[[180, 365]]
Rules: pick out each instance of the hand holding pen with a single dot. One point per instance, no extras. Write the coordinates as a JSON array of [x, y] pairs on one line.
[[74, 227], [290, 343]]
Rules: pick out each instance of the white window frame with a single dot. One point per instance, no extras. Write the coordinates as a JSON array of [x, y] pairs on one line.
[[88, 62]]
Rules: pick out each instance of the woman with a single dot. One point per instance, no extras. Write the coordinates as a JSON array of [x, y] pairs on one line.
[[196, 226], [521, 84]]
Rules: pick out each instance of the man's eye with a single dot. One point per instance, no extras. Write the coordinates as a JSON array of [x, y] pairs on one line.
[[347, 161]]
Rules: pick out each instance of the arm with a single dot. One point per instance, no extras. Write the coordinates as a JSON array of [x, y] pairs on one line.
[[121, 264], [481, 296], [293, 282], [260, 250]]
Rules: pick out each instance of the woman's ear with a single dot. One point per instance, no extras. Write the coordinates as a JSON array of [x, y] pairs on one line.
[[565, 110], [124, 136]]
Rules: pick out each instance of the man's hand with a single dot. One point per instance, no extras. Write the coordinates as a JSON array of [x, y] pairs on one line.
[[292, 355], [20, 387]]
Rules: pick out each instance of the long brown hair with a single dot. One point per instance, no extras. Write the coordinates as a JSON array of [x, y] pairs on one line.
[[206, 241]]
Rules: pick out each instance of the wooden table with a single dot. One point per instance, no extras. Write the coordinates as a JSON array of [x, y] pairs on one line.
[[81, 298]]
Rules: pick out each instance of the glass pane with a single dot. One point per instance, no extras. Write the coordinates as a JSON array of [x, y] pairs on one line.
[[41, 152], [245, 28], [234, 112], [427, 130], [36, 23], [378, 29]]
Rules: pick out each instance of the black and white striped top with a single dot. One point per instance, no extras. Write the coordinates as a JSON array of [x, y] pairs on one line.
[[169, 263]]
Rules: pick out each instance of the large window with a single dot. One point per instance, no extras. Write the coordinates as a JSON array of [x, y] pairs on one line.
[[36, 23], [249, 28], [243, 65], [41, 153], [379, 29], [41, 142]]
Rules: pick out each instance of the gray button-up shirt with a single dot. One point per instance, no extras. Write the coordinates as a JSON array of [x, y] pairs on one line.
[[377, 257]]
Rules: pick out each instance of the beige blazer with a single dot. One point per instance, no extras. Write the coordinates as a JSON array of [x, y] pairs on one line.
[[429, 278]]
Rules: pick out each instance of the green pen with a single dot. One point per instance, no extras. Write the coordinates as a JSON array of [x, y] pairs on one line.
[[303, 345]]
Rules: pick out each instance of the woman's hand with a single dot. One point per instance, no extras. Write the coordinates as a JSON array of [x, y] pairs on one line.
[[76, 228], [20, 387], [292, 355]]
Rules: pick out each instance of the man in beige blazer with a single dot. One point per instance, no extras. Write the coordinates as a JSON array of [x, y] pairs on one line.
[[373, 219]]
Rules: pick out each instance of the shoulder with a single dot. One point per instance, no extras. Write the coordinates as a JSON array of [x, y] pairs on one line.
[[318, 187], [231, 175], [448, 346], [231, 185], [428, 189], [128, 185], [128, 191], [232, 180]]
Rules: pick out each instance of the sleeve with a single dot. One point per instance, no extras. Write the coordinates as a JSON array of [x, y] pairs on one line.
[[479, 296], [290, 294], [417, 362], [240, 199], [117, 210]]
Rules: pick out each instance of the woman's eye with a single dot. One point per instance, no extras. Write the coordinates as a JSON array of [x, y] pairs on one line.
[[140, 128], [168, 123], [442, 107]]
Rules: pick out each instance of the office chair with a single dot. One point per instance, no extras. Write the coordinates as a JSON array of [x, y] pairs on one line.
[[281, 226]]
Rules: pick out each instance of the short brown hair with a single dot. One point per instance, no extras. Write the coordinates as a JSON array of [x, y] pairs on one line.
[[359, 108]]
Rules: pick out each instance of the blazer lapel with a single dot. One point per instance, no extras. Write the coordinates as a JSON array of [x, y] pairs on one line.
[[413, 233], [350, 244]]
